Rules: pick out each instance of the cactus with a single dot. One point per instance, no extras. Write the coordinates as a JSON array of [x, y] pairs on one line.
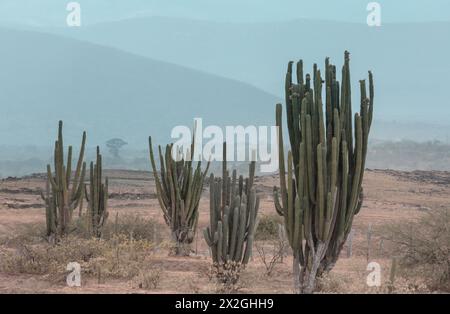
[[322, 191], [233, 211], [179, 190], [97, 197], [63, 193]]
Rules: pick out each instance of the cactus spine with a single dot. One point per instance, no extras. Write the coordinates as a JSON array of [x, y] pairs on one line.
[[179, 190], [63, 193], [322, 190], [233, 210], [97, 197]]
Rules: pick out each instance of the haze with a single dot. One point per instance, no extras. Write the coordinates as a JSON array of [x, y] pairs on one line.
[[137, 68]]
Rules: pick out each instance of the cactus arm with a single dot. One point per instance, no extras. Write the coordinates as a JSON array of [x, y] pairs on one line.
[[282, 170]]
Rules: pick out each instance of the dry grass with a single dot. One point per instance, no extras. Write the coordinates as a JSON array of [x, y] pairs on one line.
[[423, 247], [355, 283], [128, 225], [117, 256], [150, 279]]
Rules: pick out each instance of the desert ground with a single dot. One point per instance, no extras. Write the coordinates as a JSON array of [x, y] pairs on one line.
[[389, 196]]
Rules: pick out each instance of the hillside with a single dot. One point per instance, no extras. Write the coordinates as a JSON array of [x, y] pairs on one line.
[[409, 60], [110, 93]]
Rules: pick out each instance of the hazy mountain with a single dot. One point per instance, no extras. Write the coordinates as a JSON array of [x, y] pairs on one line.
[[410, 61], [53, 12], [110, 93]]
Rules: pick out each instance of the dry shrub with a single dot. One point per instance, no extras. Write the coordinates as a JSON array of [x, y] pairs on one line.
[[32, 233], [119, 257], [123, 258], [46, 259], [137, 227], [268, 227], [149, 279], [121, 252], [227, 276], [178, 249], [128, 225], [333, 283], [271, 257], [356, 283], [194, 286], [423, 247], [279, 249], [125, 226], [25, 259], [406, 286]]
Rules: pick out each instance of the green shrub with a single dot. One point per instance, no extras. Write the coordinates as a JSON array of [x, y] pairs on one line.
[[267, 227]]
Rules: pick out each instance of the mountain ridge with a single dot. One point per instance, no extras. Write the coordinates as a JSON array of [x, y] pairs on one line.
[[92, 87], [257, 53]]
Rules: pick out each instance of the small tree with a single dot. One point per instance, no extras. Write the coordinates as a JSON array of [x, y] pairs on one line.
[[114, 145], [97, 197]]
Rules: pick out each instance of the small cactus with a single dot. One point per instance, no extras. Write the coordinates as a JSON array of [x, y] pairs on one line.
[[97, 197], [233, 212], [179, 189], [63, 193]]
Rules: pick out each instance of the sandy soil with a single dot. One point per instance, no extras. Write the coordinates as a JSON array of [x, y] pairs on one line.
[[390, 196]]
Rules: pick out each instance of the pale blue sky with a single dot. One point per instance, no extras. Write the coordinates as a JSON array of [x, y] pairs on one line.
[[52, 12]]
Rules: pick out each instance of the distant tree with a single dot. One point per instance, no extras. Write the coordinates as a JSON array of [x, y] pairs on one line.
[[114, 145]]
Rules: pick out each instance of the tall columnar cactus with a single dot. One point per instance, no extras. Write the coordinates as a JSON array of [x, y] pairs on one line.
[[179, 190], [63, 192], [233, 210], [97, 197], [322, 191]]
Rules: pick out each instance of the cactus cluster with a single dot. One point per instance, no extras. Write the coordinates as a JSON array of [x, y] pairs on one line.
[[320, 182], [63, 193], [233, 211], [179, 190], [97, 197], [322, 190]]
